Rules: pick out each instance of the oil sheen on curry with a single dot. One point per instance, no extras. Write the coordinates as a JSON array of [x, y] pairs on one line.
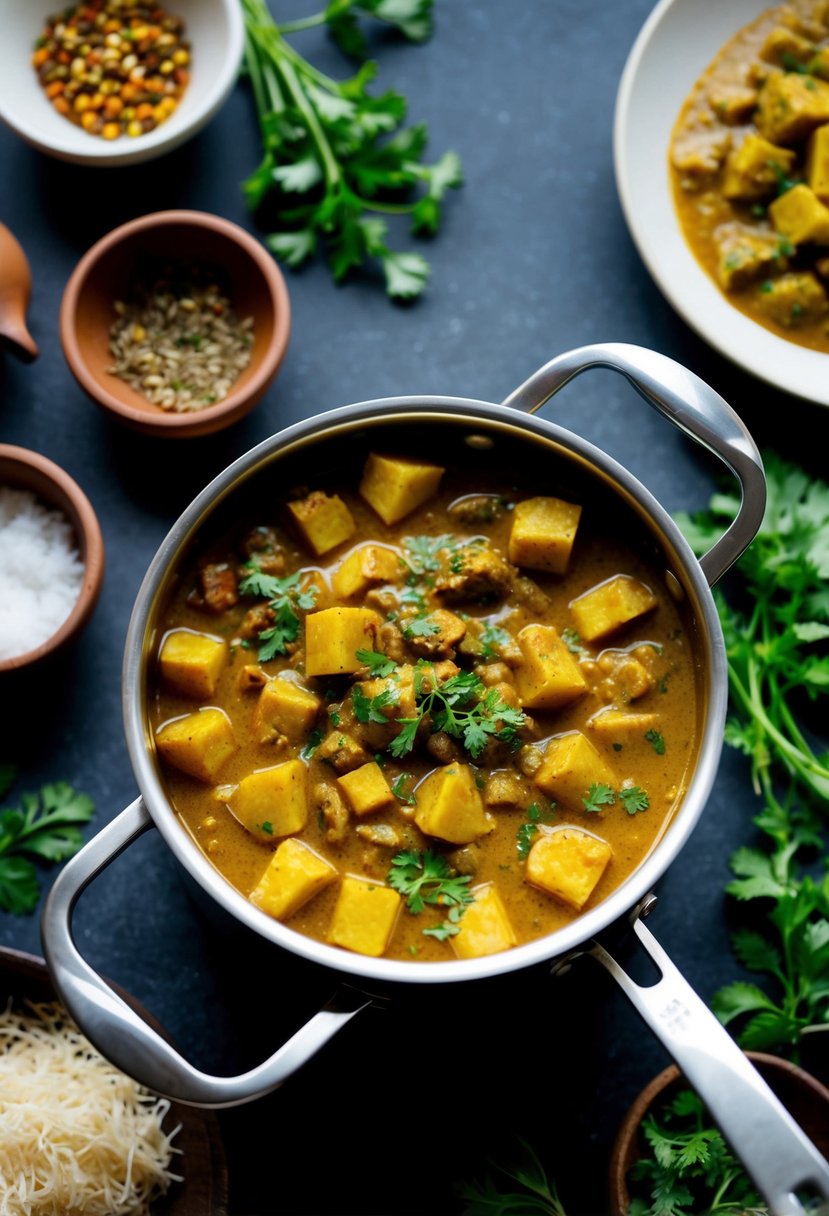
[[750, 171], [423, 716]]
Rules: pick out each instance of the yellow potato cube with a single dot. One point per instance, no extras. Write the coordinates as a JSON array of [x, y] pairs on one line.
[[484, 927], [817, 163], [732, 103], [394, 486], [366, 789], [548, 676], [610, 605], [284, 708], [323, 521], [364, 917], [745, 254], [610, 723], [568, 864], [272, 802], [198, 744], [793, 299], [294, 875], [750, 168], [543, 532], [800, 216], [333, 637], [449, 805], [571, 765], [368, 566], [191, 663], [790, 105], [783, 46]]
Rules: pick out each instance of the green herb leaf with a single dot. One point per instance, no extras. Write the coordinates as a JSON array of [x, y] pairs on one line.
[[656, 741], [633, 799], [378, 664], [44, 827], [427, 878], [598, 796]]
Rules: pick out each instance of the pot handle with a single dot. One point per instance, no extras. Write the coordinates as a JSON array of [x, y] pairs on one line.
[[776, 1153], [690, 404], [120, 1034]]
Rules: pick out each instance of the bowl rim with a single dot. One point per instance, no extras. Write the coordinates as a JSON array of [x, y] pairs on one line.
[[90, 543], [163, 139], [494, 419], [653, 86], [157, 420]]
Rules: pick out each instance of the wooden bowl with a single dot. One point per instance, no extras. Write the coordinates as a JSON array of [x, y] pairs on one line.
[[202, 1163], [27, 470], [255, 285], [802, 1095]]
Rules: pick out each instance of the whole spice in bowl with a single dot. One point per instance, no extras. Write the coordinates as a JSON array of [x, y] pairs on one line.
[[113, 68], [178, 339]]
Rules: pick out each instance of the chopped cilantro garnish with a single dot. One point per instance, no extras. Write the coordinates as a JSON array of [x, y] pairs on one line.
[[378, 664], [656, 741], [598, 796], [633, 799]]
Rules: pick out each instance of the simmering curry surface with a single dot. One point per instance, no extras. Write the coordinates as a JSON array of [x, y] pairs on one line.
[[750, 171], [420, 714]]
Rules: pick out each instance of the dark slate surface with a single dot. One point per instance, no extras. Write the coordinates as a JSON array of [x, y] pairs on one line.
[[534, 258]]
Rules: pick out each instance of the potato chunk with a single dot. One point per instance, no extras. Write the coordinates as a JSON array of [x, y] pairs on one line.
[[394, 486], [570, 765], [323, 521], [750, 168], [613, 723], [366, 789], [484, 927], [272, 802], [543, 532], [293, 876], [368, 566], [284, 708], [568, 864], [793, 299], [817, 163], [790, 105], [610, 605], [333, 637], [744, 254], [191, 663], [548, 676], [198, 744], [449, 806], [800, 216], [364, 917]]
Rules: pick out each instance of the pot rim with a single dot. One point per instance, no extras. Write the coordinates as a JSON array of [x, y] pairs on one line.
[[493, 417]]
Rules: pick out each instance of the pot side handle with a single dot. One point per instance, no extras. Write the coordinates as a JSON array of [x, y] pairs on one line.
[[690, 404], [120, 1034], [776, 1153]]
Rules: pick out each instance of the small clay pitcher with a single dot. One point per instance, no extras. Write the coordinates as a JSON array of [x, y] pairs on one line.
[[15, 289]]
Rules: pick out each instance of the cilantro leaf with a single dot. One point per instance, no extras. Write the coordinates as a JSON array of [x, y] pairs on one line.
[[44, 827], [379, 665], [633, 799], [525, 837], [598, 795], [370, 709], [656, 741], [284, 597], [427, 878]]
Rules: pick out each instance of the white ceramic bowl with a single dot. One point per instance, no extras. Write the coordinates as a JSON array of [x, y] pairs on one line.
[[215, 29], [675, 45]]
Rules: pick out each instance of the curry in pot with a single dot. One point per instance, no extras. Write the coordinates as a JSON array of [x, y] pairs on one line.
[[421, 714], [750, 171]]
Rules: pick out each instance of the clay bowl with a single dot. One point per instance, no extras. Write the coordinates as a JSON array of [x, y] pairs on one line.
[[203, 1190], [192, 238], [22, 469], [802, 1095]]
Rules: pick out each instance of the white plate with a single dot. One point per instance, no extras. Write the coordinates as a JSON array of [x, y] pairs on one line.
[[675, 45]]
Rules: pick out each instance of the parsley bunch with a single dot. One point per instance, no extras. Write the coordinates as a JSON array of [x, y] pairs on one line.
[[336, 157], [776, 623], [284, 597], [427, 878], [460, 706], [43, 827]]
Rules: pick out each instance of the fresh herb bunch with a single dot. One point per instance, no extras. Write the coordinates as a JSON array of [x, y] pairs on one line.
[[776, 623], [427, 878], [792, 944], [461, 706], [336, 157], [43, 827], [517, 1188], [690, 1168], [284, 597]]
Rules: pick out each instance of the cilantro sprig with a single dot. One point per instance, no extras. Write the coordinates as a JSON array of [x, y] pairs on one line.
[[632, 798], [43, 828], [284, 597], [515, 1187], [426, 878], [337, 158], [462, 707]]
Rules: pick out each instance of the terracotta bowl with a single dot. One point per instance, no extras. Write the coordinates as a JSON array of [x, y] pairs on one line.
[[802, 1095], [255, 285], [26, 470]]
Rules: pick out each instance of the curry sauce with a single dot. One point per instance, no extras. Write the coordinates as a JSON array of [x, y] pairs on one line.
[[502, 720]]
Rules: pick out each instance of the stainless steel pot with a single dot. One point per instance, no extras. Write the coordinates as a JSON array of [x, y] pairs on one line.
[[777, 1154]]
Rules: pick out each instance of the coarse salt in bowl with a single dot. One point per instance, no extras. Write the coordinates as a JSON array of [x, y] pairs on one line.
[[51, 557]]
